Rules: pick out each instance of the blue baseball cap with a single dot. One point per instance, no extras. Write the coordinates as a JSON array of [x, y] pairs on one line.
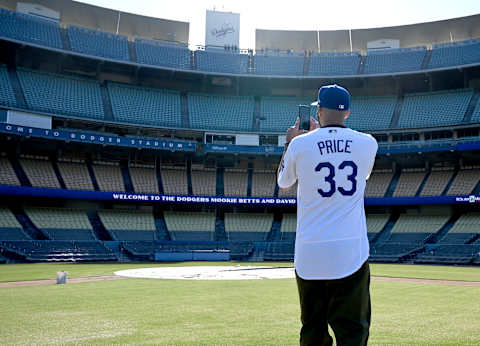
[[333, 97]]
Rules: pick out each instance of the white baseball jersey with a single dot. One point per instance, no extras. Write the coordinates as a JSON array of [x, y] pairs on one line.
[[332, 165]]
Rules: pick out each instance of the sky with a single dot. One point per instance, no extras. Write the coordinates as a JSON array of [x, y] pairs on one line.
[[296, 15]]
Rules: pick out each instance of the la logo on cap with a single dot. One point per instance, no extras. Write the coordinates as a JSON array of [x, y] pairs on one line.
[[341, 106]]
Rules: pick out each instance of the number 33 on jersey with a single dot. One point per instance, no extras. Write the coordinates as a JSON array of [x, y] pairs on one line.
[[331, 165]]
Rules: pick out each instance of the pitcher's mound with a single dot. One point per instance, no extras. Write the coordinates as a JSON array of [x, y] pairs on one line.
[[211, 273]]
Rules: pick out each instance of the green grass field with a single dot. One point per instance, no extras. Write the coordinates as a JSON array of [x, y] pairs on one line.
[[253, 312]]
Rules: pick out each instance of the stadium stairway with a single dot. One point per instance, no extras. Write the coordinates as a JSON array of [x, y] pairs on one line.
[[220, 233], [393, 184], [274, 234], [189, 177], [361, 64], [250, 179], [107, 104], [28, 227], [21, 175], [132, 52], [161, 230], [422, 184], [57, 173], [471, 106], [306, 65], [450, 182], [127, 179], [385, 232], [397, 112], [92, 176], [159, 178], [17, 88], [443, 230], [256, 115], [184, 110], [65, 39], [220, 185], [426, 59], [98, 228]]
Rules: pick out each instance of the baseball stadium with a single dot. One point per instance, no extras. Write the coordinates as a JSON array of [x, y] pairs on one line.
[[140, 171]]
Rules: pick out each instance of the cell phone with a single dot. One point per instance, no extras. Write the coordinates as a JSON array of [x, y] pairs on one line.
[[304, 115]]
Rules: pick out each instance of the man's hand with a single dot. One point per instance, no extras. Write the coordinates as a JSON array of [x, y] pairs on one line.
[[294, 130]]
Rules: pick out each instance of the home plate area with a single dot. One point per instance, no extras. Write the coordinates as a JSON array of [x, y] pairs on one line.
[[211, 273]]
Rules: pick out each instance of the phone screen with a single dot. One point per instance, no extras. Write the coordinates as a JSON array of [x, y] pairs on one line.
[[304, 115]]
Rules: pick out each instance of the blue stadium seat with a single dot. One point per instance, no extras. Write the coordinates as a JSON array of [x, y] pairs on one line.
[[279, 65], [224, 62], [192, 235], [476, 113], [368, 113], [434, 109], [455, 54], [32, 29], [61, 94], [161, 54], [334, 64], [279, 113], [247, 236], [215, 112], [98, 43], [7, 97], [139, 105], [394, 60]]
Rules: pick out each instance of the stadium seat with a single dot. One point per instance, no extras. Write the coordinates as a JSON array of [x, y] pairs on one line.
[[235, 182], [465, 229], [373, 112], [10, 228], [128, 224], [7, 174], [39, 171], [437, 181], [75, 173], [378, 183], [162, 54], [174, 180], [215, 112], [455, 54], [223, 62], [288, 228], [334, 64], [465, 181], [448, 106], [7, 97], [279, 113], [108, 176], [193, 226], [279, 65], [32, 29], [263, 183], [61, 94], [138, 105], [62, 223], [394, 60], [251, 226], [409, 182], [204, 182], [98, 43], [144, 178], [375, 224]]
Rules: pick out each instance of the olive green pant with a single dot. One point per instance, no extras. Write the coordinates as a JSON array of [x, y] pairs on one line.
[[344, 304]]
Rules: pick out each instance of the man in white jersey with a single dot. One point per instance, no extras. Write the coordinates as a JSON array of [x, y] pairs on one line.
[[331, 164]]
